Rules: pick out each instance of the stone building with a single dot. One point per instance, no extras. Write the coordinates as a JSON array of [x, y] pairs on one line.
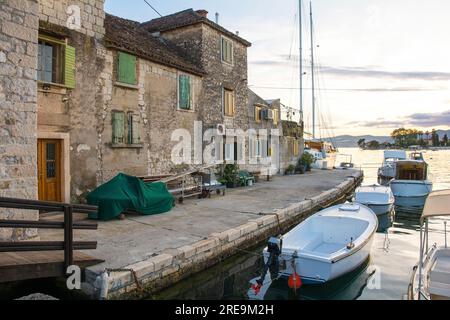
[[18, 110], [265, 119], [223, 56]]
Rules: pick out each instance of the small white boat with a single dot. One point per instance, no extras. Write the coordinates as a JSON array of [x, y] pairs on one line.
[[411, 186], [387, 171], [329, 244], [431, 276], [380, 199]]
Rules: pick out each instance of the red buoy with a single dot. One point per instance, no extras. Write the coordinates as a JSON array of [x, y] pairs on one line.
[[294, 281]]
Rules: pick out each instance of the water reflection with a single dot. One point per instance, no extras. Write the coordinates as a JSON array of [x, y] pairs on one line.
[[347, 287]]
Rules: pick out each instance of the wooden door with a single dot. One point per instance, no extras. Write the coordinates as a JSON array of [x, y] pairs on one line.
[[49, 170]]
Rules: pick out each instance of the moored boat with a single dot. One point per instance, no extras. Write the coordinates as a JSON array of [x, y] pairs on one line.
[[431, 276], [380, 199], [329, 244], [411, 186], [387, 171]]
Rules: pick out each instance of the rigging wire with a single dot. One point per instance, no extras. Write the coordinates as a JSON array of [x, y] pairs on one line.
[[153, 8]]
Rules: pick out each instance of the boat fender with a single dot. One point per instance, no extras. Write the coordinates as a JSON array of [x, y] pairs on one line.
[[351, 245], [102, 283]]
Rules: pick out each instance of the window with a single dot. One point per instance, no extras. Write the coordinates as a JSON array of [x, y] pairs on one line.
[[126, 132], [228, 103], [56, 61], [118, 127], [227, 50], [184, 92], [134, 124], [126, 70], [258, 114], [276, 117]]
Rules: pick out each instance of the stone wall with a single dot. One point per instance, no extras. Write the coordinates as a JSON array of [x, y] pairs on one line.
[[155, 100], [59, 12], [18, 153]]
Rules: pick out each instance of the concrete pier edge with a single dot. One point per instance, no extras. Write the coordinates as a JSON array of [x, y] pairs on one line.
[[140, 280]]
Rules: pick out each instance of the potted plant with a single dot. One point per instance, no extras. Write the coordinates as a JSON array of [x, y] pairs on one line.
[[307, 160], [290, 169], [230, 176]]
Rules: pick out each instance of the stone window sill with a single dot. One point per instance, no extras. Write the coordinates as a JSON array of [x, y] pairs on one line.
[[44, 84], [126, 146], [126, 85], [186, 110]]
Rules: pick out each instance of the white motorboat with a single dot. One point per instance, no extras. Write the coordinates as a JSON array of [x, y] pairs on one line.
[[329, 244], [324, 154], [411, 186], [380, 199], [387, 171], [431, 276]]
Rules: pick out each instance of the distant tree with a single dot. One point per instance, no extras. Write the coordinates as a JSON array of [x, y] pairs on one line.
[[405, 137], [362, 143], [373, 145], [445, 140], [435, 138]]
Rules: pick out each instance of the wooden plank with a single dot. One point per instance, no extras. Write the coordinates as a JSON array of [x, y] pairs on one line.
[[20, 266]]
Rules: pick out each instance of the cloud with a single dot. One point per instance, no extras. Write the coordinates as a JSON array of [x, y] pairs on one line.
[[367, 72], [362, 72], [425, 120]]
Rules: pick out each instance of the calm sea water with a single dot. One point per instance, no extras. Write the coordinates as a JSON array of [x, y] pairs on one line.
[[384, 276]]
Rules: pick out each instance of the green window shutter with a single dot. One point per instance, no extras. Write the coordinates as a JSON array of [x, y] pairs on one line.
[[69, 69], [118, 127], [134, 132], [184, 84], [127, 68]]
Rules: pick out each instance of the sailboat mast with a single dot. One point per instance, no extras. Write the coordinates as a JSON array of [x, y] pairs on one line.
[[312, 73], [300, 57]]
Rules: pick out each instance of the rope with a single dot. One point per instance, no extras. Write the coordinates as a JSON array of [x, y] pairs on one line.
[[139, 286]]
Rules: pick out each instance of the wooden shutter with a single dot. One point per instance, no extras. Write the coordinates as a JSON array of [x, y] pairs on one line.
[[275, 117], [69, 69], [127, 68], [118, 127], [257, 114], [184, 89]]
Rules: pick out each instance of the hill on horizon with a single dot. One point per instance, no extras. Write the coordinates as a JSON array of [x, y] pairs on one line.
[[349, 141]]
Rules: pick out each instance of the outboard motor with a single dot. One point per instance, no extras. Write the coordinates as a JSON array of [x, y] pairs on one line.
[[274, 248]]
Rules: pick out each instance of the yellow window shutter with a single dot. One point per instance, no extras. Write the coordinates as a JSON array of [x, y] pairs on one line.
[[69, 69]]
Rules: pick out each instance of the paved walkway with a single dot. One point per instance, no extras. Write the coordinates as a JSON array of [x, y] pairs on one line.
[[124, 242]]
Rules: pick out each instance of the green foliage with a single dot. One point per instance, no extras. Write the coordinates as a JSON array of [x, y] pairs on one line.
[[307, 159], [290, 169], [229, 174]]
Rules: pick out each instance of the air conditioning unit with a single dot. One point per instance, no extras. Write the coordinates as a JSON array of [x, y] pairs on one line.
[[221, 129], [269, 114]]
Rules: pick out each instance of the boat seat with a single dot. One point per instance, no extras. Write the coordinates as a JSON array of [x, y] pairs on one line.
[[440, 271], [328, 247]]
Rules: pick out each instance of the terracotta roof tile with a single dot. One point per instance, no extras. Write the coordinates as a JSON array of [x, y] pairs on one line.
[[126, 35], [186, 18]]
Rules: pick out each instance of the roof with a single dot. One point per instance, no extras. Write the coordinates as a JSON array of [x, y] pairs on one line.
[[437, 204], [187, 18], [396, 154], [125, 35]]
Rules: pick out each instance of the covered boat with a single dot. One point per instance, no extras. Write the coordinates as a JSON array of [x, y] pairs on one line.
[[411, 186], [129, 193], [387, 171], [431, 276], [380, 199], [329, 244]]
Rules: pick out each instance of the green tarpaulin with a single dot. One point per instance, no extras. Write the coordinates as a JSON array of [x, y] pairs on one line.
[[127, 192]]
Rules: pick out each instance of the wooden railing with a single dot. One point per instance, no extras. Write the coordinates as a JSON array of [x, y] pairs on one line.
[[68, 245]]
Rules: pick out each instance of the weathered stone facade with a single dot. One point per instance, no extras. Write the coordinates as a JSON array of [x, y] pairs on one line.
[[18, 156], [69, 114]]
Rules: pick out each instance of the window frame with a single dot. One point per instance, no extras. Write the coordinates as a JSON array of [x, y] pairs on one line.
[[222, 57], [224, 106], [60, 46], [127, 129]]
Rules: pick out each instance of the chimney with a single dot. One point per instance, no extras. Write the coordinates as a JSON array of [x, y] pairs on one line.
[[203, 13], [217, 18]]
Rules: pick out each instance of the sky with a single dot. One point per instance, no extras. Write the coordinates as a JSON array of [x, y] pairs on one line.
[[380, 64]]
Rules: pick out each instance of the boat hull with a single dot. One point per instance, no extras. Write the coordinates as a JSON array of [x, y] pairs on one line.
[[410, 195], [318, 272], [385, 215]]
